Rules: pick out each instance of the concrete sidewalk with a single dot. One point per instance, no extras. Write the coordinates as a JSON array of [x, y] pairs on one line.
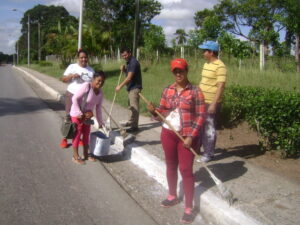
[[261, 197]]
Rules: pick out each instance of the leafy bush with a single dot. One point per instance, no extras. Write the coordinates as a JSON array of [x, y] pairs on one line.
[[45, 63], [273, 113]]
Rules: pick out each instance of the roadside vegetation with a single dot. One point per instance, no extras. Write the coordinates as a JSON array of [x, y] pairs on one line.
[[264, 91]]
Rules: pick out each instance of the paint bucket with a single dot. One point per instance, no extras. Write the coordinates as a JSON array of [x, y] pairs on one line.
[[99, 143]]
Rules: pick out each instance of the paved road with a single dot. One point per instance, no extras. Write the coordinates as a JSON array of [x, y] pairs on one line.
[[39, 184]]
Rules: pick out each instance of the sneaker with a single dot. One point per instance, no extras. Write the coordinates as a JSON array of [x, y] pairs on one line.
[[169, 203], [81, 143], [125, 123], [64, 143], [205, 158], [187, 218]]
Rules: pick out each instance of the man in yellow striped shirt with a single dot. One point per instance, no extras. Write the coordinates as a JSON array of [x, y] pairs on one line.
[[212, 85]]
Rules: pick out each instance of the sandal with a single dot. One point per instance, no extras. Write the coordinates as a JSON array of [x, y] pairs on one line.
[[79, 160], [90, 158]]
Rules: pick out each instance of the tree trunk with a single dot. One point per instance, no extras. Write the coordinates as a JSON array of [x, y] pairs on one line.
[[297, 52]]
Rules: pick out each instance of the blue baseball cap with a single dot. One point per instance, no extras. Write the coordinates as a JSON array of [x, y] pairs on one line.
[[210, 45]]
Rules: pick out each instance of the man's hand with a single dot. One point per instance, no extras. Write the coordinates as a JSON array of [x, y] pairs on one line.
[[118, 88], [188, 142], [212, 108], [122, 68]]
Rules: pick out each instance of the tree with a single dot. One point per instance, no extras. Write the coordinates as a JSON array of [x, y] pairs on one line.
[[154, 38], [194, 38], [48, 18], [63, 43], [259, 15], [209, 24], [181, 36], [291, 21], [117, 17]]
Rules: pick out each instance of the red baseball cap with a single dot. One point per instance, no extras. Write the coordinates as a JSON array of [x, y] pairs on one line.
[[179, 63]]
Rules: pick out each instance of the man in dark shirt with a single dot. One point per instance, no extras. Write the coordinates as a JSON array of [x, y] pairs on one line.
[[133, 82]]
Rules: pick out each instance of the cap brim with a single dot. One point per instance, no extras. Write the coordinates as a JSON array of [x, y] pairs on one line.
[[203, 46]]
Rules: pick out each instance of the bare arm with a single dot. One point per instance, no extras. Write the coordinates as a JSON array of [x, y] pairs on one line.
[[68, 78], [126, 81]]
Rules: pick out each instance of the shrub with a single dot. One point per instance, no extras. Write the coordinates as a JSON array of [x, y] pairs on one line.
[[273, 113], [45, 63]]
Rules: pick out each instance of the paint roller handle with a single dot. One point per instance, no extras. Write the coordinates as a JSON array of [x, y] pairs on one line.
[[167, 122]]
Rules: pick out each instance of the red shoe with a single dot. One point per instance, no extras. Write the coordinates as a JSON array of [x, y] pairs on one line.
[[81, 143], [64, 143]]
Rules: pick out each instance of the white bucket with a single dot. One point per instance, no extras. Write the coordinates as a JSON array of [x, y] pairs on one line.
[[99, 143]]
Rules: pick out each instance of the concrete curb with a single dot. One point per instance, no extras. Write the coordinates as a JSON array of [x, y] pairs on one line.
[[50, 90], [212, 206]]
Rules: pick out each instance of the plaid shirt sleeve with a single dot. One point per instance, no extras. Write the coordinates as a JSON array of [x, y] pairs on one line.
[[199, 112], [164, 106]]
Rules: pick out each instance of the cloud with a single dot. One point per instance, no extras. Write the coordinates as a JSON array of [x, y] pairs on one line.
[[73, 6], [179, 14]]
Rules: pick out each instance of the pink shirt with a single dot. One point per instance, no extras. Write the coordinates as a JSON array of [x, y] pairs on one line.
[[92, 101]]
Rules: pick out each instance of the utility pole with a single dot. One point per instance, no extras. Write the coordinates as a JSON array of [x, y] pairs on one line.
[[80, 26], [17, 52], [39, 41], [28, 43], [136, 26], [28, 36]]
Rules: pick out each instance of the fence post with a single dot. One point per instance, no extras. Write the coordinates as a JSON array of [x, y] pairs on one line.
[[119, 55], [105, 59], [261, 56], [156, 55], [297, 51], [138, 54]]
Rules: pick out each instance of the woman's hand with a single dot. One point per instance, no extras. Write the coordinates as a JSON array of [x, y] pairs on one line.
[[188, 142], [74, 76], [88, 115], [151, 108], [80, 117]]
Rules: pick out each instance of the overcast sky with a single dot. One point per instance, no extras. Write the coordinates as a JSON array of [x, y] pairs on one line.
[[175, 14]]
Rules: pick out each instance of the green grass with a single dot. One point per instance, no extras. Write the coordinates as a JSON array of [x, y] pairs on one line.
[[156, 75]]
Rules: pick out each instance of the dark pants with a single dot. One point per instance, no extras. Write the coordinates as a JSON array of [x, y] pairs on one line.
[[177, 155]]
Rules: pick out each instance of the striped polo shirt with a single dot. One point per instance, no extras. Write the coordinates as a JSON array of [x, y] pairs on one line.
[[212, 74]]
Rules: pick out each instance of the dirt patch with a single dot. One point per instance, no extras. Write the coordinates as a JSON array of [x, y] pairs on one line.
[[243, 142]]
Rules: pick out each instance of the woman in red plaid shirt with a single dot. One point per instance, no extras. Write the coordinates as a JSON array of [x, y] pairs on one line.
[[183, 106]]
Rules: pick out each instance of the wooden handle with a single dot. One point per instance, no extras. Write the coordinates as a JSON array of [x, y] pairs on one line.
[[168, 123], [115, 95], [112, 119]]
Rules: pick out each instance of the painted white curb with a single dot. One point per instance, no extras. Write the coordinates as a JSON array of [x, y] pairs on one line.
[[50, 90]]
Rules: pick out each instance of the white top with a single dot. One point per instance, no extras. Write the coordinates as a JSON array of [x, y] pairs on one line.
[[174, 119], [86, 75]]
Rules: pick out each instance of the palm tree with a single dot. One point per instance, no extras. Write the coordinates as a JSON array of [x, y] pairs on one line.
[[181, 36]]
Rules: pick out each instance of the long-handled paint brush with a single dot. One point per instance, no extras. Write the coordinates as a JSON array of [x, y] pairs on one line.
[[107, 123], [223, 190]]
